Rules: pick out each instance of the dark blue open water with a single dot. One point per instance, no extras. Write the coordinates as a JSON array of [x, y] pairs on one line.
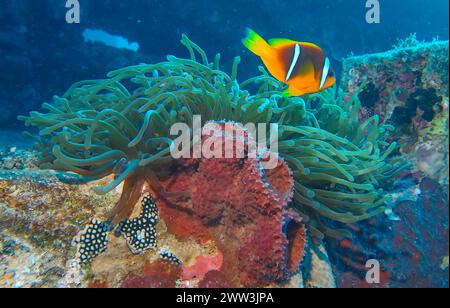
[[41, 55]]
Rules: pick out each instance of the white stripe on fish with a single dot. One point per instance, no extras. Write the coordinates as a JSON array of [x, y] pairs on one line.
[[295, 59], [326, 70]]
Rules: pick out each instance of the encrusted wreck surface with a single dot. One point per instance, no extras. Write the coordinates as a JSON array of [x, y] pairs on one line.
[[41, 212], [408, 88]]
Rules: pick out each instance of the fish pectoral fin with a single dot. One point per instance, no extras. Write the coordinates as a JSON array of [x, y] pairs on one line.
[[291, 91]]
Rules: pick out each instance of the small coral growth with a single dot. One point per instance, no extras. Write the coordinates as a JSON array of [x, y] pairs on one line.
[[120, 125], [166, 255], [140, 232], [91, 242], [408, 42]]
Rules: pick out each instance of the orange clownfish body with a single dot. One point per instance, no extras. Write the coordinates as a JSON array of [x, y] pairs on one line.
[[302, 66]]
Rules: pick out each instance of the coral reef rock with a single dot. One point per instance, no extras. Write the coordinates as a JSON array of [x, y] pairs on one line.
[[243, 210], [236, 231], [408, 87], [40, 214]]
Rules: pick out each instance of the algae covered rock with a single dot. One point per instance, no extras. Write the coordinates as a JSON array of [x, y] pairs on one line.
[[408, 88], [42, 212]]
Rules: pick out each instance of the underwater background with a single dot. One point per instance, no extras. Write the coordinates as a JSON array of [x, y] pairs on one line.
[[44, 55], [403, 62]]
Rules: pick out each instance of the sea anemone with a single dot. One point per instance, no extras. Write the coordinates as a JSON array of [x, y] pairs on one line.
[[121, 126]]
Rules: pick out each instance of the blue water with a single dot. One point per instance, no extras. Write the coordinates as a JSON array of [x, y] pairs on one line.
[[42, 55]]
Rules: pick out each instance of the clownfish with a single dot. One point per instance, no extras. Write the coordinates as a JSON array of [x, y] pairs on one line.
[[302, 66]]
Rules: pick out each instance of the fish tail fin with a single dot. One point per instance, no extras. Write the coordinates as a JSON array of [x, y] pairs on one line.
[[256, 44]]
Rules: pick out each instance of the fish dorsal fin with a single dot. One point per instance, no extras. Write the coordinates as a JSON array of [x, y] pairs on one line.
[[312, 46], [279, 42]]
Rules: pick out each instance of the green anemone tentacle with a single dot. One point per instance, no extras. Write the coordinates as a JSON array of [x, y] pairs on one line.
[[120, 125]]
